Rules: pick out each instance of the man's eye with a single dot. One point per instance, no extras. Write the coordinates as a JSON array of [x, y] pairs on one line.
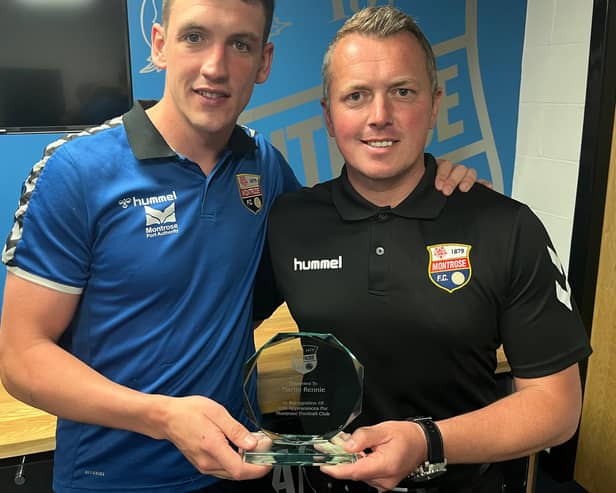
[[193, 37], [241, 46], [354, 96]]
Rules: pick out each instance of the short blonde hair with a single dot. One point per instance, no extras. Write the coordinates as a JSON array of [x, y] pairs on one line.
[[380, 22]]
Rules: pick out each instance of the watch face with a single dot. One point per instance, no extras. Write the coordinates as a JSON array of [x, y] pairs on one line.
[[434, 474], [428, 471]]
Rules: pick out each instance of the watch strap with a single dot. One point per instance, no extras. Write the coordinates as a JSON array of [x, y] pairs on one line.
[[436, 463], [434, 439]]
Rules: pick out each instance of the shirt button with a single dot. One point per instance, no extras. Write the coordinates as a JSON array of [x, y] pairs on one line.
[[381, 217], [380, 251]]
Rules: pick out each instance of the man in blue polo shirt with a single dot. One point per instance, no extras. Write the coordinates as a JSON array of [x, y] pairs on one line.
[[128, 302]]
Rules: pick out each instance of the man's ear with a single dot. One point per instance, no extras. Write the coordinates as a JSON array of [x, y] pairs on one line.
[[266, 63], [328, 117], [436, 102], [157, 53]]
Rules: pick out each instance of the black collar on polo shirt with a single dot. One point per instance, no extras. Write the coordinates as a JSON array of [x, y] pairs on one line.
[[424, 202], [146, 141]]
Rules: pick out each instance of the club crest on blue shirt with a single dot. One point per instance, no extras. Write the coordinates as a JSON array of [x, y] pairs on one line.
[[251, 194], [449, 267]]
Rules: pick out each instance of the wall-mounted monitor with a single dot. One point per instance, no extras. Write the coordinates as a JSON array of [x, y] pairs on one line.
[[64, 64]]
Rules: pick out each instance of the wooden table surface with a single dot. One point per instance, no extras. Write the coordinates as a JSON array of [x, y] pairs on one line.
[[26, 430]]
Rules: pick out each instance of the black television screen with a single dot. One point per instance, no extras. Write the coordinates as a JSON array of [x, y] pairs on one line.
[[64, 64]]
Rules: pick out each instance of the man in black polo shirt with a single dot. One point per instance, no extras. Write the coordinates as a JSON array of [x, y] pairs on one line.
[[423, 288]]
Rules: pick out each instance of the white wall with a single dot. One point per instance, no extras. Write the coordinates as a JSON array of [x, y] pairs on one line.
[[552, 95]]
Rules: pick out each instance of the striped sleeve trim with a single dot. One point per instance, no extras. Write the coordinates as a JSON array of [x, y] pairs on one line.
[[41, 281], [8, 253]]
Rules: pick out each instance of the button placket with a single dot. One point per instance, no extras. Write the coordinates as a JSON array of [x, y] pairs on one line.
[[378, 261]]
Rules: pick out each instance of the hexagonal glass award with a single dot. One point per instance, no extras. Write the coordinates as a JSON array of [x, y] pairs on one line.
[[309, 388]]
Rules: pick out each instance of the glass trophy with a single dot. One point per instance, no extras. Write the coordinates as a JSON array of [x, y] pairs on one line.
[[309, 388]]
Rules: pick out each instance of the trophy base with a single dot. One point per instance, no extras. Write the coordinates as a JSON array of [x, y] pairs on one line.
[[317, 453]]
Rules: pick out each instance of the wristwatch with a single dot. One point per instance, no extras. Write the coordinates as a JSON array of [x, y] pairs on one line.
[[436, 464]]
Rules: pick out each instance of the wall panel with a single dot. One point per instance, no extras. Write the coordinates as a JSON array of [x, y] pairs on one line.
[[596, 453]]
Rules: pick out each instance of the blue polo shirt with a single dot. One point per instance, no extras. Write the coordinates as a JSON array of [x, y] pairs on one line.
[[164, 258]]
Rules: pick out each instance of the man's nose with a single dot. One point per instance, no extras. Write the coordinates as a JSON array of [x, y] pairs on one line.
[[380, 111], [214, 66]]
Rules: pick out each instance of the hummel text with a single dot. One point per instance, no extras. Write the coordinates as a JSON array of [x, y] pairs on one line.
[[158, 199], [318, 264], [143, 201]]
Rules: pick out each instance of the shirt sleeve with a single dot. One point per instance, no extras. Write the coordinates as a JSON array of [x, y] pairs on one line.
[[48, 243], [541, 328]]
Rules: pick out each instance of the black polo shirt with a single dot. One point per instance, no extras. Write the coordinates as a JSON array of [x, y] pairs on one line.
[[425, 292]]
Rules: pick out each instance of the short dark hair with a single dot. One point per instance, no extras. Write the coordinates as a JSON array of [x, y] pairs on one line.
[[268, 7]]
